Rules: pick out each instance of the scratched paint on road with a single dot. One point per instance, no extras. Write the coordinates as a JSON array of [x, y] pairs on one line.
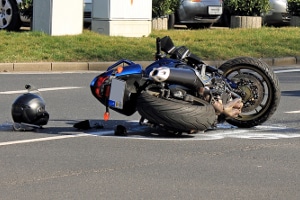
[[221, 132], [138, 132]]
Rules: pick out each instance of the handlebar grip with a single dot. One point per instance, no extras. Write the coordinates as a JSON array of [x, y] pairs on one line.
[[158, 46]]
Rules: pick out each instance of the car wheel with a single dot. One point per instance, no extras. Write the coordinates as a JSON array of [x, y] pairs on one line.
[[9, 15]]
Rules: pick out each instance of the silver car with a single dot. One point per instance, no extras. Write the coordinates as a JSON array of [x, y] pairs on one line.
[[9, 15], [87, 15], [278, 14], [197, 13]]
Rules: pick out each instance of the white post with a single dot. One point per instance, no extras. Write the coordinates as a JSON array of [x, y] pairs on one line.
[[129, 18], [58, 17]]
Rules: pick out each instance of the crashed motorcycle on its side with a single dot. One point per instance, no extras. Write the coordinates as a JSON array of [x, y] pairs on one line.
[[181, 94]]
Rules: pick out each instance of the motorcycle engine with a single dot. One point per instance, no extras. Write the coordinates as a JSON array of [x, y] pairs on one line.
[[215, 90]]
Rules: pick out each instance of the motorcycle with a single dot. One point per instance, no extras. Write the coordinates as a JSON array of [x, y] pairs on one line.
[[180, 93]]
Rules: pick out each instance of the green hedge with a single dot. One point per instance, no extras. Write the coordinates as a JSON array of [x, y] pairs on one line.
[[164, 7], [26, 8], [246, 7], [294, 7]]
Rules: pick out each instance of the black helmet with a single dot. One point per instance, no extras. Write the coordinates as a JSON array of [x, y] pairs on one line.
[[29, 108]]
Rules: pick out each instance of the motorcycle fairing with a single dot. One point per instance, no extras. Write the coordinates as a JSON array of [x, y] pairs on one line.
[[131, 75], [162, 62]]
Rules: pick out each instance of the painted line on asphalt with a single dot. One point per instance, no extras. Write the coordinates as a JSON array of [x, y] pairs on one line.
[[43, 139], [293, 112], [54, 72], [286, 71], [40, 90]]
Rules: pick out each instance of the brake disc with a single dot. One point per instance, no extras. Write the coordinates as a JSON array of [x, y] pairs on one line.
[[251, 90]]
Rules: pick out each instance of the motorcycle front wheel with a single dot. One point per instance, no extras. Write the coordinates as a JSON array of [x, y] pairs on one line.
[[258, 86], [174, 114]]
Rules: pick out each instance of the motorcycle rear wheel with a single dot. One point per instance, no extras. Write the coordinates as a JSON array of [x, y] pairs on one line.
[[176, 115], [260, 90]]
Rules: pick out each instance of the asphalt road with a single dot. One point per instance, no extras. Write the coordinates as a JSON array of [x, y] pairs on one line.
[[60, 162]]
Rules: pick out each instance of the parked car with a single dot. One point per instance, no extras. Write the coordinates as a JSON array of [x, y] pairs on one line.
[[197, 13], [278, 14], [10, 19], [87, 15]]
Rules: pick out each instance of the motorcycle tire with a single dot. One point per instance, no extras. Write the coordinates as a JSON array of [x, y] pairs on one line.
[[261, 91], [176, 115]]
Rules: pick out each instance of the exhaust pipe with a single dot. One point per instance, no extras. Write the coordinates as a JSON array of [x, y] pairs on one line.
[[181, 76]]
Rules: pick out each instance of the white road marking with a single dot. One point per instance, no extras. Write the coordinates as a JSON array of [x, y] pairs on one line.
[[55, 72], [293, 112], [286, 71], [43, 139], [40, 90]]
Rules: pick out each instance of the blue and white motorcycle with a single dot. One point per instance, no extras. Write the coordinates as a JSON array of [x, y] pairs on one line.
[[180, 93]]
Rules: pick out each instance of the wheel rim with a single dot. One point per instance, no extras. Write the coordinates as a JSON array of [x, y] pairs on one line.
[[5, 13], [255, 89]]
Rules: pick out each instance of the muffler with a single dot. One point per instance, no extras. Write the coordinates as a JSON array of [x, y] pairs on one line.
[[181, 76]]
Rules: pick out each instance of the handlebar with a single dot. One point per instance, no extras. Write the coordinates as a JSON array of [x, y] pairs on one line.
[[158, 49]]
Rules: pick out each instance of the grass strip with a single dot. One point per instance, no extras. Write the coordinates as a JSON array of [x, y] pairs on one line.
[[209, 44]]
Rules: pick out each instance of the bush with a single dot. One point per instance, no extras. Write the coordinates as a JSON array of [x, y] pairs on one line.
[[164, 7], [26, 8], [293, 7], [246, 7]]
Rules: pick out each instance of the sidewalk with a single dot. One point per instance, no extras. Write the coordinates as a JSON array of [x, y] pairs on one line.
[[101, 66]]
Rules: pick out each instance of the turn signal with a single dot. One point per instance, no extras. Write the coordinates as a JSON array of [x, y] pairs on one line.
[[106, 116], [119, 69], [195, 0]]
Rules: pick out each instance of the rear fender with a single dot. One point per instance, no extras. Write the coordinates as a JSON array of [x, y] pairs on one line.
[[131, 74]]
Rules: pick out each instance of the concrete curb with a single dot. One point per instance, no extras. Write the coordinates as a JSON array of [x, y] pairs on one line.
[[101, 66]]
